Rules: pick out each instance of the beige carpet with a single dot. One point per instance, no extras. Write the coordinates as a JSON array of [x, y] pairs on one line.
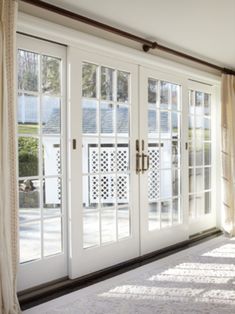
[[200, 279]]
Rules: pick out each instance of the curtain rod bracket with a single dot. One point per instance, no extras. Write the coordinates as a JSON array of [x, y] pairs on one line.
[[153, 45]]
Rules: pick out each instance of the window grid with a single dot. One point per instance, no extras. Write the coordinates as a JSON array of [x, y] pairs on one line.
[[40, 177], [101, 141], [162, 138], [195, 166]]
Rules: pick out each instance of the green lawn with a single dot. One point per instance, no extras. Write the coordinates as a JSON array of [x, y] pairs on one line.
[[28, 128]]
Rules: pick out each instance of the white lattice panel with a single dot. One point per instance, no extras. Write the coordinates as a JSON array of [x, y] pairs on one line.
[[110, 163], [153, 174]]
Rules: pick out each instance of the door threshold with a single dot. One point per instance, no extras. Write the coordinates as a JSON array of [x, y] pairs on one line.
[[44, 293]]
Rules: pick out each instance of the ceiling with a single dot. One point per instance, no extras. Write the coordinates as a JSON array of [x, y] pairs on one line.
[[205, 29]]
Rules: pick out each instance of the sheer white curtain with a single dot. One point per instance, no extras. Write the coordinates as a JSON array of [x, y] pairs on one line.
[[8, 174], [228, 152]]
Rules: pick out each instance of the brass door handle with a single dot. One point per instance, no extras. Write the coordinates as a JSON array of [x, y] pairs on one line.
[[143, 162], [138, 157]]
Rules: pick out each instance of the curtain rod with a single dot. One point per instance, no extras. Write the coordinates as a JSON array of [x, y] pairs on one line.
[[147, 44]]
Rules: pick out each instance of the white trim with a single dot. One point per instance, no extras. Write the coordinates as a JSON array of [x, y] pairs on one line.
[[38, 27]]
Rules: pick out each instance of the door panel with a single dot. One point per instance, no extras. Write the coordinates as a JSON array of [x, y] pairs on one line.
[[161, 194], [107, 116], [41, 161], [201, 159]]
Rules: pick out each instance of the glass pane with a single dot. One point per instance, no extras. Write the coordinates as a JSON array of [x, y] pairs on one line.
[[199, 205], [27, 114], [51, 75], [27, 214], [51, 115], [123, 222], [199, 179], [53, 211], [154, 216], [30, 241], [207, 202], [164, 95], [52, 193], [166, 184], [107, 81], [191, 127], [191, 180], [176, 211], [152, 91], [28, 69], [154, 155], [89, 116], [90, 192], [199, 128], [165, 124], [89, 76], [198, 103], [107, 118], [199, 152], [191, 102], [107, 155], [207, 104], [207, 129], [122, 86], [175, 182], [90, 155], [108, 190], [175, 154], [122, 120], [192, 212], [153, 121], [123, 162], [165, 154], [108, 225], [123, 187], [191, 154], [175, 118], [165, 214], [29, 197], [207, 153], [91, 229], [175, 91], [51, 156], [52, 236], [153, 186], [207, 178], [28, 156]]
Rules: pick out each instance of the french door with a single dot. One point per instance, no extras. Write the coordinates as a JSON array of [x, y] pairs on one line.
[[41, 135], [201, 157], [104, 184], [128, 173], [127, 198], [163, 198]]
